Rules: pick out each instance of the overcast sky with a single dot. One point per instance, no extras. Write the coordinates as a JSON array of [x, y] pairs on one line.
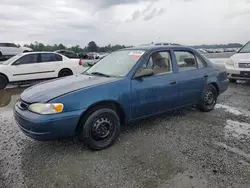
[[129, 22]]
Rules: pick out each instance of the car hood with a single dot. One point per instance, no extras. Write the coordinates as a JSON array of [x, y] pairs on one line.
[[49, 90], [241, 57], [26, 48]]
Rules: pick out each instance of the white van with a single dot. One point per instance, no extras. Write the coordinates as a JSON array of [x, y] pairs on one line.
[[238, 66]]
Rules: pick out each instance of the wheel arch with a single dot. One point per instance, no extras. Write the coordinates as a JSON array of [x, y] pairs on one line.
[[5, 76], [65, 69], [112, 104], [216, 86]]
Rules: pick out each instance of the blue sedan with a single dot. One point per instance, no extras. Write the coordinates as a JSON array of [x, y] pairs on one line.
[[126, 85]]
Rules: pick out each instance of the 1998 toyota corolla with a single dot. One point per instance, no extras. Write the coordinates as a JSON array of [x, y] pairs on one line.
[[126, 85]]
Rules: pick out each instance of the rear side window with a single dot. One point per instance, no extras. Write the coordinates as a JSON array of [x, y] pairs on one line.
[[27, 59], [186, 61], [49, 57], [11, 45]]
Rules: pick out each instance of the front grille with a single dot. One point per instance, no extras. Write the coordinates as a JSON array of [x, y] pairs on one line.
[[244, 65], [242, 75]]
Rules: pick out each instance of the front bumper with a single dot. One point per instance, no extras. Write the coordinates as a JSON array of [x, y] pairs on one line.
[[238, 73], [47, 127]]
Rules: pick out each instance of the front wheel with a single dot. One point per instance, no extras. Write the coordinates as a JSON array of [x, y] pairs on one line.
[[3, 82], [208, 99], [101, 128]]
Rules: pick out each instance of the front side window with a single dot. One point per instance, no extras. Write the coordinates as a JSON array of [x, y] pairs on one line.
[[27, 59], [118, 63], [185, 60], [245, 49], [49, 57], [160, 62]]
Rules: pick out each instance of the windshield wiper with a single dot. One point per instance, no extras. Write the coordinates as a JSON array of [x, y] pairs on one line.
[[99, 74]]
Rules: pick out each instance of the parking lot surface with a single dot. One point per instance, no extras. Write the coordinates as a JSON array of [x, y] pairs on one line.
[[185, 148]]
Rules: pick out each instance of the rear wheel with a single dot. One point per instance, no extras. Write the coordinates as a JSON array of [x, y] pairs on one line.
[[100, 128], [65, 72], [208, 99], [3, 82]]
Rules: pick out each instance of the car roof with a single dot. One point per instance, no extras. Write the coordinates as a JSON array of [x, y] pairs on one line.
[[64, 50], [156, 47], [43, 52]]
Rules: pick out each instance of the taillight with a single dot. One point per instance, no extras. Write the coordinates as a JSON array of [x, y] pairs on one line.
[[80, 62]]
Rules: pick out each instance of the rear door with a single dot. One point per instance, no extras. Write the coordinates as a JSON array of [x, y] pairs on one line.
[[13, 49], [193, 74], [49, 64], [26, 68]]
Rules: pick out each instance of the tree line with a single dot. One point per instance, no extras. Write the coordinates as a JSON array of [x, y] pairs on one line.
[[93, 47], [216, 46]]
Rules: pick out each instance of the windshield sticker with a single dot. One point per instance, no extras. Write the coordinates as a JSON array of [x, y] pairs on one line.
[[136, 53]]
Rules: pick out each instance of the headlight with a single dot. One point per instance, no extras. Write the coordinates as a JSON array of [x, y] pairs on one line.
[[42, 108], [230, 62]]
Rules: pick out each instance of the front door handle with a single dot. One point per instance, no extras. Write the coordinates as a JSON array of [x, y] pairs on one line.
[[173, 82], [206, 75]]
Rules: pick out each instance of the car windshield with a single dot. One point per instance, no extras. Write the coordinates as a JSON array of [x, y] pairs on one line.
[[245, 49], [12, 59], [118, 63]]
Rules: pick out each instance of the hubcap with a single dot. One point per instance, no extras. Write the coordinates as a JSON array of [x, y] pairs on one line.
[[102, 129], [209, 98]]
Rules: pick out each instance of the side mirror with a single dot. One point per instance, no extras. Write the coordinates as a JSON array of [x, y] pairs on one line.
[[143, 73]]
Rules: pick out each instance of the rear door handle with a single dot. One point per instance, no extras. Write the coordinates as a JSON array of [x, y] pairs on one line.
[[206, 75], [173, 82]]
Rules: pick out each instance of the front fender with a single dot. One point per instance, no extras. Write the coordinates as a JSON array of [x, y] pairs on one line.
[[118, 92]]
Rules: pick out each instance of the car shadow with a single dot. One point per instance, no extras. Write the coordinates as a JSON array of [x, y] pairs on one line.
[[42, 162]]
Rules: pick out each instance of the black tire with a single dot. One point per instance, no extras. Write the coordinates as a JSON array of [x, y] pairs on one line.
[[100, 128], [1, 54], [65, 72], [232, 80], [3, 81], [208, 99]]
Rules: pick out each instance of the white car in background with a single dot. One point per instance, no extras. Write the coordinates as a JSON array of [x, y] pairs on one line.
[[37, 65], [238, 65], [10, 49]]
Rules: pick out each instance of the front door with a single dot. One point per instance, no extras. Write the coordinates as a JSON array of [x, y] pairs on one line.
[[157, 93], [25, 68]]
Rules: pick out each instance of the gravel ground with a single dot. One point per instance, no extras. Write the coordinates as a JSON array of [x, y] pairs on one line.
[[185, 148]]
